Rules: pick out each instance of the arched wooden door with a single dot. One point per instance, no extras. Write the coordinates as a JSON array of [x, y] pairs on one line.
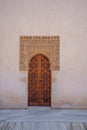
[[39, 82]]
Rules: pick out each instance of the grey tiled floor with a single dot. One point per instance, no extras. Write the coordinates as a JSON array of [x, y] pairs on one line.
[[43, 118]]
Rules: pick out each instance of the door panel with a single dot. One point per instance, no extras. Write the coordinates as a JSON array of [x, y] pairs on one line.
[[33, 82], [39, 81]]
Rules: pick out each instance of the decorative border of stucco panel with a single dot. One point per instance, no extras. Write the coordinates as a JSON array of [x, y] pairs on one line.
[[46, 45]]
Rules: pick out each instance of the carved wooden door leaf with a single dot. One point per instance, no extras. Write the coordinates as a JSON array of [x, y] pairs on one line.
[[39, 81]]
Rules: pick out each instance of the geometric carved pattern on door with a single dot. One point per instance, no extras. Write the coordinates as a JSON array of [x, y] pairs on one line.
[[39, 81]]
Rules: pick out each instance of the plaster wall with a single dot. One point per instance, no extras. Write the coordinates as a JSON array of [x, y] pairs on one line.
[[65, 18]]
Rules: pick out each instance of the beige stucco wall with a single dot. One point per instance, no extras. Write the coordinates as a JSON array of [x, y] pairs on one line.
[[65, 18]]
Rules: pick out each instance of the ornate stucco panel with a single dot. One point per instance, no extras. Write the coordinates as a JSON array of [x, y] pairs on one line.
[[32, 45]]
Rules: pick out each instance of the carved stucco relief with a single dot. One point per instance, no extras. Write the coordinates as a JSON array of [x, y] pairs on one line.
[[32, 45]]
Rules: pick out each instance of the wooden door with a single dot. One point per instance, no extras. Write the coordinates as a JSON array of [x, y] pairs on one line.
[[39, 84]]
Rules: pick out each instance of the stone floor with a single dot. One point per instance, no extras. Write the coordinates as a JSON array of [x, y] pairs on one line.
[[43, 118]]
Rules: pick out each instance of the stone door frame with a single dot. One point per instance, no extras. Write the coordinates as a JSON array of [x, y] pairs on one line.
[[33, 45]]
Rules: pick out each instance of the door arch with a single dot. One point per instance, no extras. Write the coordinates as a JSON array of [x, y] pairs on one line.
[[39, 81]]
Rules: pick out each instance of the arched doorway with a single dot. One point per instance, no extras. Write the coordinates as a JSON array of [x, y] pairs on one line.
[[39, 81]]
